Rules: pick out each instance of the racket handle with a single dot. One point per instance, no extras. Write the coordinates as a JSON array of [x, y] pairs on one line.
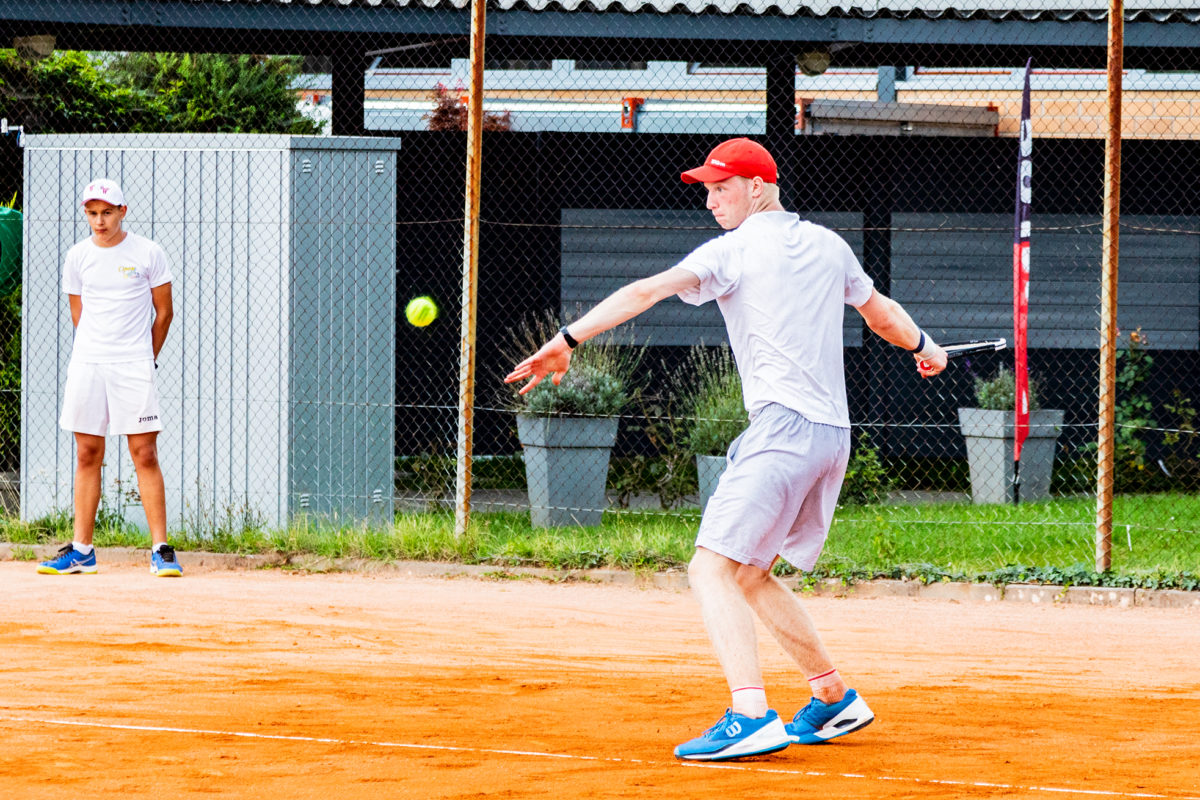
[[925, 365]]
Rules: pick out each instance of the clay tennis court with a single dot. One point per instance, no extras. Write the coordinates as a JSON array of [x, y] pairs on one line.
[[270, 684]]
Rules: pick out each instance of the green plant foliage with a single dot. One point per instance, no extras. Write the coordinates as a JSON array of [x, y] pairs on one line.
[[1135, 424], [69, 93], [10, 379], [670, 477], [599, 382], [712, 399], [867, 479], [1181, 441], [73, 92], [999, 393], [428, 474], [1134, 413], [215, 92], [586, 390], [926, 543]]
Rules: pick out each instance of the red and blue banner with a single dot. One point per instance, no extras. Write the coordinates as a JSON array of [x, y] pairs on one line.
[[1021, 229]]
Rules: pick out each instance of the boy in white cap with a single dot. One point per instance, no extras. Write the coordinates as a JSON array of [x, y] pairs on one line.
[[782, 285], [119, 288]]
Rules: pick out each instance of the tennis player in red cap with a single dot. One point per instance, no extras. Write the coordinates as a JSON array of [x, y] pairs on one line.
[[782, 285]]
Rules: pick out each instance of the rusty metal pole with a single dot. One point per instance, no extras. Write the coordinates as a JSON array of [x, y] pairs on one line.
[[1105, 476], [470, 276]]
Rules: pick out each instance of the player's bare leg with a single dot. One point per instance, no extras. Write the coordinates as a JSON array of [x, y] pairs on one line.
[[728, 619], [748, 728], [143, 449], [89, 458], [835, 709], [785, 617], [79, 557]]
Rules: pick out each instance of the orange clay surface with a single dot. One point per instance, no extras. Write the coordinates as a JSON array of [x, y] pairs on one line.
[[267, 684]]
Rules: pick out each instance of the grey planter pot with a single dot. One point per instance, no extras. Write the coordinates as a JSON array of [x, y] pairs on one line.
[[566, 467], [989, 436], [708, 472]]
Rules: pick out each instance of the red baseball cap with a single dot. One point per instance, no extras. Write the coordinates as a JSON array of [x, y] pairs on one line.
[[734, 157]]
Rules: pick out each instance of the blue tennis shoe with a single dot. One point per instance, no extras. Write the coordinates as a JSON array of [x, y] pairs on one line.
[[70, 561], [819, 722], [163, 563], [736, 736]]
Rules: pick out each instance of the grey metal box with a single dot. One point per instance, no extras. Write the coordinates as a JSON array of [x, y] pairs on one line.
[[277, 380]]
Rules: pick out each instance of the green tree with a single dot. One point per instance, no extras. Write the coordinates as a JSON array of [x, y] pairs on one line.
[[68, 93], [216, 93]]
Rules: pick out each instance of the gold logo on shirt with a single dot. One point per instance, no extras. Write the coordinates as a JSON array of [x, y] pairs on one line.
[[128, 272]]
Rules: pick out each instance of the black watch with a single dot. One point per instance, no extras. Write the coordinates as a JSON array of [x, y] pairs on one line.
[[571, 341]]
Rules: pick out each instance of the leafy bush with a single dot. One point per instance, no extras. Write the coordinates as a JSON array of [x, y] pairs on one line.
[[450, 113], [1133, 415], [1135, 427], [670, 473], [69, 93], [586, 390], [73, 92], [427, 473], [598, 384], [215, 92], [670, 477], [999, 393], [867, 479], [713, 403]]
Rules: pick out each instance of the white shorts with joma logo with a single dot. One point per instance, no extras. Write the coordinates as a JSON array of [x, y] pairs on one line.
[[111, 399], [778, 492]]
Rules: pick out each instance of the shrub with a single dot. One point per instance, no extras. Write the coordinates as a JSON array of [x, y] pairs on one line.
[[450, 113], [716, 412], [598, 384], [999, 393], [867, 479]]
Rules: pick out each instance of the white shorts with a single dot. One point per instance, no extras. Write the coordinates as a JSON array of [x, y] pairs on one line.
[[778, 492], [110, 399]]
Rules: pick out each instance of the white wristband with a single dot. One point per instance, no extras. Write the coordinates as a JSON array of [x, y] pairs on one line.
[[930, 347]]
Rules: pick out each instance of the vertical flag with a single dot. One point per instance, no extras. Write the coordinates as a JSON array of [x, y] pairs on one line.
[[1021, 276]]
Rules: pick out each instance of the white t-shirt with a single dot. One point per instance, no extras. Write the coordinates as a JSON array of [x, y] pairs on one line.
[[782, 285], [114, 286]]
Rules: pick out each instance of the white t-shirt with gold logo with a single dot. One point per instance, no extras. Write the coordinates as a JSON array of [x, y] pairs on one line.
[[782, 285], [114, 286]]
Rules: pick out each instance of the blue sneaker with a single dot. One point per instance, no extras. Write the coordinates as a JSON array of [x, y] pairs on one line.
[[819, 722], [736, 736], [164, 564], [70, 562]]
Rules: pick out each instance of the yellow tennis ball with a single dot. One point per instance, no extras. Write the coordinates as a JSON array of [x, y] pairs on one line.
[[421, 311]]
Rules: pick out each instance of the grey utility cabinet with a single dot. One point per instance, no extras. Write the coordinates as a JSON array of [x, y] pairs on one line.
[[277, 380]]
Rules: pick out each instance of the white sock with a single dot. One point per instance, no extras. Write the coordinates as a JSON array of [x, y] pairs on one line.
[[86, 549], [158, 547], [750, 701], [825, 686]]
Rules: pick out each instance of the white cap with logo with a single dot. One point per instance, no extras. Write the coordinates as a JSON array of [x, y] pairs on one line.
[[104, 189]]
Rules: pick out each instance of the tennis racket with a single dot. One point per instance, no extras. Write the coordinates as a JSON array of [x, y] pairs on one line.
[[957, 349]]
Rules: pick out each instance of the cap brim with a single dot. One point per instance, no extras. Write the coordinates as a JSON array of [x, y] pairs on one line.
[[705, 174]]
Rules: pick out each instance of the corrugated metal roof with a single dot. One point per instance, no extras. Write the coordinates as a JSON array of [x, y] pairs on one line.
[[1060, 10]]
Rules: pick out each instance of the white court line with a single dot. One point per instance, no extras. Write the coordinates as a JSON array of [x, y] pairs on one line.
[[569, 756]]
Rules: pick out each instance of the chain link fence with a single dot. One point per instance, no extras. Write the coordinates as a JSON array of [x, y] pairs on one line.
[[293, 384]]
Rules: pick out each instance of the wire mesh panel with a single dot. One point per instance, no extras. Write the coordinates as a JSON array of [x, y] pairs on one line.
[[897, 130]]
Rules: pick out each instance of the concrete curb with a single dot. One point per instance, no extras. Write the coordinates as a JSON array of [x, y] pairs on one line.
[[674, 580]]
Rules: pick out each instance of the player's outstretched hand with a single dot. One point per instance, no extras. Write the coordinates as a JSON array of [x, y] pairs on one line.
[[931, 365], [554, 358]]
